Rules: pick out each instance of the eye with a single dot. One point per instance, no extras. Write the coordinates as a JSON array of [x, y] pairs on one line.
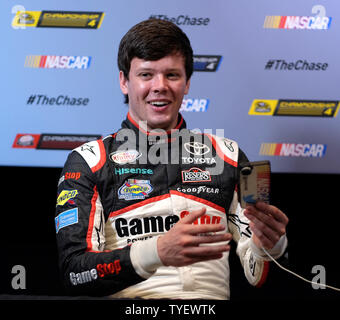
[[173, 76], [145, 75]]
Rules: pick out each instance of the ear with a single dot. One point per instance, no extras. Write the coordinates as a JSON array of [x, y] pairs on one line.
[[187, 87], [123, 82]]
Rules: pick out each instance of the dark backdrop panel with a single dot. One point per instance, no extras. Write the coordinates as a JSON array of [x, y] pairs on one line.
[[28, 234]]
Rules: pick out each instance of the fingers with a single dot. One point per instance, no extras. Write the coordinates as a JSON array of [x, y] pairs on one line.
[[202, 228], [198, 253], [267, 216], [193, 215], [201, 239], [264, 237], [268, 223], [214, 238], [188, 242], [275, 212]]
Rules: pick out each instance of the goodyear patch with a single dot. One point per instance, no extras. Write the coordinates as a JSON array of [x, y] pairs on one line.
[[66, 218], [134, 189], [66, 196]]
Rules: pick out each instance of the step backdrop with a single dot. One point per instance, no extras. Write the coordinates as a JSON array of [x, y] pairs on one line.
[[266, 75]]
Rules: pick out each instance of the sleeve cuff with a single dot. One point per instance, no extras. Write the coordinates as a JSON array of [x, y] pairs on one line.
[[276, 252], [144, 257]]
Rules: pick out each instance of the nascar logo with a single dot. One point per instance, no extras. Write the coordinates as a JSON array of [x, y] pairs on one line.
[[296, 22], [57, 62], [194, 105], [293, 150]]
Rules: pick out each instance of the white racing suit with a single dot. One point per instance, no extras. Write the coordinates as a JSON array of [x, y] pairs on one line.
[[118, 194]]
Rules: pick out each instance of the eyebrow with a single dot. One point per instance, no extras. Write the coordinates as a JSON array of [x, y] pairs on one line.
[[152, 69]]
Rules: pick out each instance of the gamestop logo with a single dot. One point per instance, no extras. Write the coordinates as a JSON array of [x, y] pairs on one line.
[[100, 271], [194, 105]]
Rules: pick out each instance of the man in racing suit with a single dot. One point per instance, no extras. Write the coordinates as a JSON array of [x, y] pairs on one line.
[[149, 213]]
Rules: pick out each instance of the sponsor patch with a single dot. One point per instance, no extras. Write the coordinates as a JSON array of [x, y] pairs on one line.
[[66, 218], [121, 171], [198, 190], [196, 148], [123, 157], [133, 189], [100, 271], [190, 160], [195, 175], [66, 196]]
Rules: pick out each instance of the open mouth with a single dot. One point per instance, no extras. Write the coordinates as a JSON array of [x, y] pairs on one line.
[[159, 104]]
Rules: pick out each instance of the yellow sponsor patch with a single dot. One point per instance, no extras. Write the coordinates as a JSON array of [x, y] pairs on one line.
[[65, 196]]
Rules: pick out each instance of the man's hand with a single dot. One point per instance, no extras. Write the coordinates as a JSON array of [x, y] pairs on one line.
[[180, 246], [267, 223]]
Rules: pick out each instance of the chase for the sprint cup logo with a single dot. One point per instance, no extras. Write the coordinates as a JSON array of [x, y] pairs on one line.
[[134, 189]]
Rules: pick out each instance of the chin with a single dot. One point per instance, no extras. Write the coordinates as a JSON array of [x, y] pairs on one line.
[[164, 124], [155, 126]]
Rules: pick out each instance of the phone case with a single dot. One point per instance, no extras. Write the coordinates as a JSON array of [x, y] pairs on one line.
[[254, 182]]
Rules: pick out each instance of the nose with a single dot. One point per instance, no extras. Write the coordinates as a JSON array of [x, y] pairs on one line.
[[159, 84]]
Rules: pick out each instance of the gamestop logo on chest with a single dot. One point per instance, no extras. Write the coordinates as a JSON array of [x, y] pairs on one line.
[[152, 225], [136, 226]]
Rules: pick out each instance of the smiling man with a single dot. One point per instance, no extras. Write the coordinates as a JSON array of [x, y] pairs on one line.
[[159, 230], [155, 90], [155, 72]]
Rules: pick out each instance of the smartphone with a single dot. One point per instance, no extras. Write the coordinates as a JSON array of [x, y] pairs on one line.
[[254, 184]]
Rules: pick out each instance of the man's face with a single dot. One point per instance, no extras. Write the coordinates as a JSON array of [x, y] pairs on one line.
[[156, 90]]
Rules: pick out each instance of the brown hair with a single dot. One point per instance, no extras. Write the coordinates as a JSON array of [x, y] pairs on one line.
[[152, 40]]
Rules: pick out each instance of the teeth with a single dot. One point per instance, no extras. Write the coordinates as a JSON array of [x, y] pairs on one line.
[[158, 103]]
